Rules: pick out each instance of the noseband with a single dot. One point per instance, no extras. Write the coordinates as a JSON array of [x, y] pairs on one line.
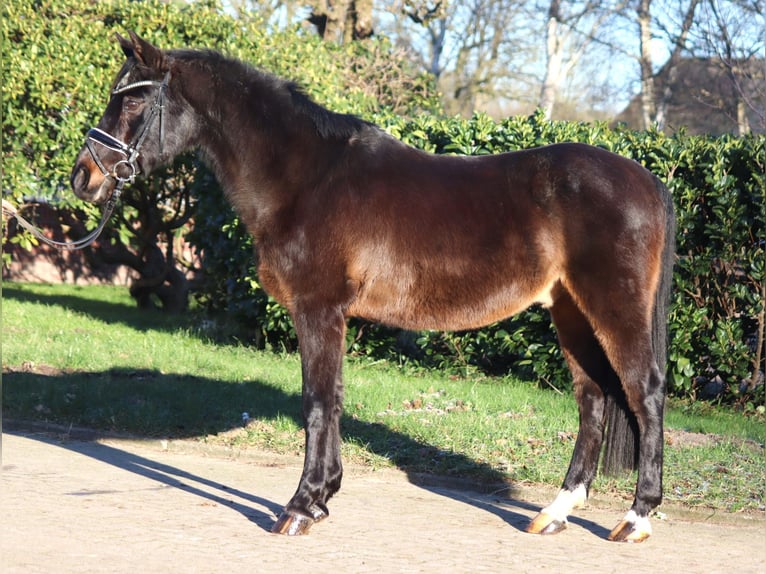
[[130, 160], [132, 150]]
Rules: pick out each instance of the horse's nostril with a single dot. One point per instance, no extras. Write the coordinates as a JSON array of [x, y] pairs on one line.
[[80, 178]]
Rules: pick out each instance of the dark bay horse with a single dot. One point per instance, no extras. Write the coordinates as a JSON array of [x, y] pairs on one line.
[[348, 221]]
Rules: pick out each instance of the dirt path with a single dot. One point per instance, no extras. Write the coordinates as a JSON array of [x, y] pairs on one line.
[[125, 506]]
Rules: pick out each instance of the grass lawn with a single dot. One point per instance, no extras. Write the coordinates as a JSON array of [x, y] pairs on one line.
[[86, 356]]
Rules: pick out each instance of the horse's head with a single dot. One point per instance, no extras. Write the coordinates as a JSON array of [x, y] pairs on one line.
[[132, 136]]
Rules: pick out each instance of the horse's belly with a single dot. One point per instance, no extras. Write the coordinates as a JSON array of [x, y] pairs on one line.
[[455, 307]]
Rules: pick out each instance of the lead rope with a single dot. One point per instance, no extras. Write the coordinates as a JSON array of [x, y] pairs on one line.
[[134, 149], [10, 211]]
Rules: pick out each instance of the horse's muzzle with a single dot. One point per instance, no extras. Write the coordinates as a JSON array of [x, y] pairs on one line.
[[89, 184]]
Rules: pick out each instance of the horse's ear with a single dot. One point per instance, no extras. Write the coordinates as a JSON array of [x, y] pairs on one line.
[[146, 53], [126, 45]]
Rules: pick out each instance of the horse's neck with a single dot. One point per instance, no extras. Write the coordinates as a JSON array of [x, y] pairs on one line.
[[249, 164]]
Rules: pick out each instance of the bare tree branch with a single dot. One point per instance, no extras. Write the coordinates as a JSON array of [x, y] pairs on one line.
[[566, 45], [679, 45]]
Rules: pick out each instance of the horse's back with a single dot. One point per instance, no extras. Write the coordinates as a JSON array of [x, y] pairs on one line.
[[454, 242]]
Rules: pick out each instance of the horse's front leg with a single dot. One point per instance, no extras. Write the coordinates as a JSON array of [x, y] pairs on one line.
[[321, 336]]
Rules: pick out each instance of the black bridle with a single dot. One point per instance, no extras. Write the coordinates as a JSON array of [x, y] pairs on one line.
[[132, 150]]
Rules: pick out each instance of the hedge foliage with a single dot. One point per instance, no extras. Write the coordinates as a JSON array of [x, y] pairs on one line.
[[60, 57], [718, 187]]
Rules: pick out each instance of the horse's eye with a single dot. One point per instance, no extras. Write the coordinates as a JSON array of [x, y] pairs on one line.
[[130, 104]]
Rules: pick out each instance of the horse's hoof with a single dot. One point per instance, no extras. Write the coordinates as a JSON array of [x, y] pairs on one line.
[[292, 524], [632, 529], [319, 512], [546, 524]]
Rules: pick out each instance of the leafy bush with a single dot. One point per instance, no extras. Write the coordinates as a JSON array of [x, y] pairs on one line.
[[718, 188], [61, 57]]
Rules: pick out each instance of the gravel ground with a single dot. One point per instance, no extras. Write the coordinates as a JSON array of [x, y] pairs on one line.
[[150, 506]]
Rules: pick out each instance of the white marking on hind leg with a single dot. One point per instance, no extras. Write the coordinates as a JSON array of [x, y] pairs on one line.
[[565, 502], [633, 528]]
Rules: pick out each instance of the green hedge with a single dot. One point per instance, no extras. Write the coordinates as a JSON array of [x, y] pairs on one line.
[[718, 187], [60, 57]]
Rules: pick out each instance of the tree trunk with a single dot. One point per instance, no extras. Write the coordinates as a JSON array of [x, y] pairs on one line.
[[743, 125], [342, 21], [329, 17], [648, 110], [554, 56], [360, 17], [757, 366]]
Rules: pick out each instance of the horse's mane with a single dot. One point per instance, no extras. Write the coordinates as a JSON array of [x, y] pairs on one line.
[[329, 124]]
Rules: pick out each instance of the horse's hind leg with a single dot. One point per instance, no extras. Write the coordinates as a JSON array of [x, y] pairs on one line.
[[622, 325], [590, 371], [321, 335], [644, 388]]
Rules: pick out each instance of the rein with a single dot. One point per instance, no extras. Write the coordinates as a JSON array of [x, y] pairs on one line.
[[11, 211], [130, 152]]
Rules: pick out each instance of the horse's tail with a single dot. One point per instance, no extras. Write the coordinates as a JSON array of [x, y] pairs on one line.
[[621, 441]]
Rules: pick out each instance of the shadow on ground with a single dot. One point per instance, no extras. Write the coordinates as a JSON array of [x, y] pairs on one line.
[[184, 406], [120, 389], [106, 311], [171, 476]]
